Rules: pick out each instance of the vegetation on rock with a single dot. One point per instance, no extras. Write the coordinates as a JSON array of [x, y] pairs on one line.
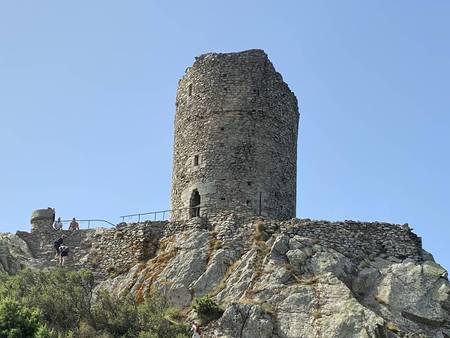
[[62, 304], [207, 309]]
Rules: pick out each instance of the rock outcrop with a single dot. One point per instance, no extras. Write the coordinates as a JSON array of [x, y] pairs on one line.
[[282, 279]]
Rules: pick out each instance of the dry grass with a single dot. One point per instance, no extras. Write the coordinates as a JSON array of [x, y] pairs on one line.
[[214, 245], [392, 327], [154, 268], [316, 314], [310, 281], [260, 227], [379, 300]]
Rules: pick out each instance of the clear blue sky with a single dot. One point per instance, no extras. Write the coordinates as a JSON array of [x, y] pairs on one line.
[[87, 92]]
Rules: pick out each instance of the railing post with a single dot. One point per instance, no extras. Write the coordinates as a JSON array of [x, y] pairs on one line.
[[260, 203]]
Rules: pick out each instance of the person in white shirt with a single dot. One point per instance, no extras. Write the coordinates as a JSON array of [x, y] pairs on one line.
[[57, 225]]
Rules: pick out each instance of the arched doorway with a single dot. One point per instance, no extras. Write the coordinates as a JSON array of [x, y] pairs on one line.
[[194, 204]]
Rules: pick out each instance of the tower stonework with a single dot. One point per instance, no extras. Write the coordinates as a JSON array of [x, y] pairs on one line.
[[235, 144]]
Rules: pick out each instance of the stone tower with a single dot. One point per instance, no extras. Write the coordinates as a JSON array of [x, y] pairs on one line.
[[42, 219], [235, 144]]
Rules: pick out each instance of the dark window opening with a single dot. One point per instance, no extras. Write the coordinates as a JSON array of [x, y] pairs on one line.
[[247, 202], [222, 198], [225, 88], [190, 90], [196, 160], [249, 183], [222, 128], [194, 204]]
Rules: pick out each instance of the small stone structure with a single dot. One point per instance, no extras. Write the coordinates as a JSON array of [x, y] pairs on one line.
[[235, 142], [42, 219]]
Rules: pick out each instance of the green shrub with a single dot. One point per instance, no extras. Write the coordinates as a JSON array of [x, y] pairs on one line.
[[207, 309], [60, 304], [62, 296], [17, 321]]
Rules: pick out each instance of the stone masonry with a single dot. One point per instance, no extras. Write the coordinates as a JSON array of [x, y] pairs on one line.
[[235, 142]]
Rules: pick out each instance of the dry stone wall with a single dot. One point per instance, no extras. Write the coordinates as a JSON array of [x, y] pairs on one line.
[[235, 137], [116, 250], [359, 240]]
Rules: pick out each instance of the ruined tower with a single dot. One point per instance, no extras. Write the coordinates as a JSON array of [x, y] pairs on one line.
[[235, 144]]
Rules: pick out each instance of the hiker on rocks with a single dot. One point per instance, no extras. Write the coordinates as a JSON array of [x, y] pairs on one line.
[[197, 331], [57, 225], [57, 244], [63, 253], [74, 225]]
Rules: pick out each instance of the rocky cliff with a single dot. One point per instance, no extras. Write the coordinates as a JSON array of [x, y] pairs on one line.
[[283, 279]]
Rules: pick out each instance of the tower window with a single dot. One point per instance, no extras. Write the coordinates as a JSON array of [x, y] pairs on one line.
[[196, 160], [190, 89], [249, 183]]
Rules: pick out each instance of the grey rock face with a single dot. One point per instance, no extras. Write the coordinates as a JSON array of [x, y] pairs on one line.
[[235, 137], [246, 321], [14, 253]]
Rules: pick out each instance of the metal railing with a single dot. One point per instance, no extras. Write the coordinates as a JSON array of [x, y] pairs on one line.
[[164, 215], [86, 223]]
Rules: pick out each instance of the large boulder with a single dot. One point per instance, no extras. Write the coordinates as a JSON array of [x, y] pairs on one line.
[[14, 253]]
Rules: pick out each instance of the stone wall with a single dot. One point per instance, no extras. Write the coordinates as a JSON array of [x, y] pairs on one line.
[[359, 240], [235, 137], [116, 250]]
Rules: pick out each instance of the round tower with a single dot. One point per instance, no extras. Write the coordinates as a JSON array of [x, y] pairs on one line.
[[235, 144]]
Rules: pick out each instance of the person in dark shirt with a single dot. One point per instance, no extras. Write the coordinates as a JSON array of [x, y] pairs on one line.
[[57, 244], [63, 253]]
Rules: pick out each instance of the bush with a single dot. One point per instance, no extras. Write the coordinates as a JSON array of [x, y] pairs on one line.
[[207, 309], [63, 301], [63, 297], [17, 321]]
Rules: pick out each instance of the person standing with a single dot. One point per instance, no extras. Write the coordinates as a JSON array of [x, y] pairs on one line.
[[57, 225], [74, 225]]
